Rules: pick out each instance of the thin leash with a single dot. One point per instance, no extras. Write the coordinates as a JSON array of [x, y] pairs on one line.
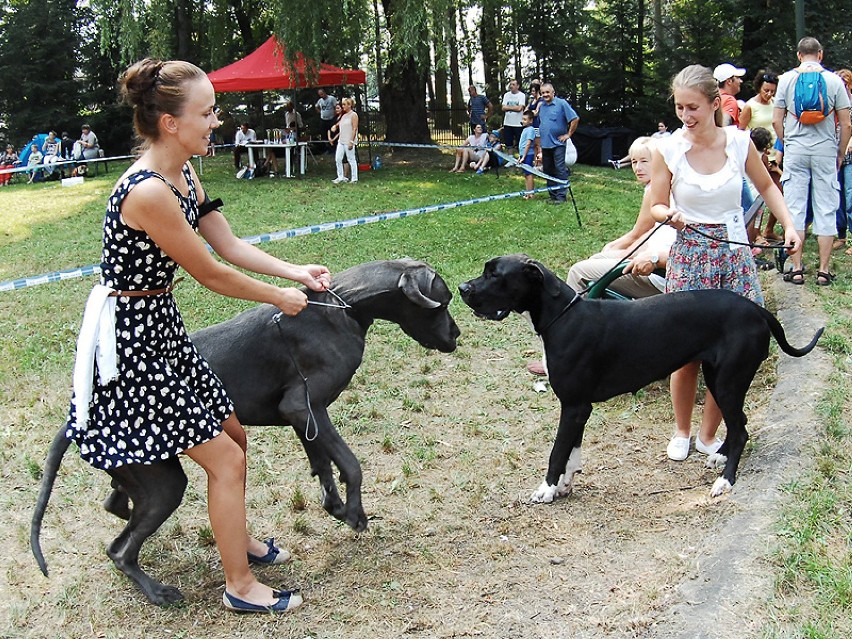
[[692, 228], [339, 304], [342, 305], [577, 296], [619, 264], [770, 246]]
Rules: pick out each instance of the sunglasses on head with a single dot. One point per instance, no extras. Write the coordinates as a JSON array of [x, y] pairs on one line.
[[770, 78]]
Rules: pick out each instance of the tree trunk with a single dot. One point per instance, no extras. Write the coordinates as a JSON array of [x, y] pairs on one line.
[[456, 90], [244, 26], [403, 93], [439, 97], [466, 41], [658, 26], [377, 26], [403, 102], [489, 35], [183, 30]]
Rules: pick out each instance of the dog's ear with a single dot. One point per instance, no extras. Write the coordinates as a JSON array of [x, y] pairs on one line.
[[539, 273], [416, 283]]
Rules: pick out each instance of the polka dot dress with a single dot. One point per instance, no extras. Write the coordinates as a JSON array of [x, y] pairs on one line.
[[166, 398]]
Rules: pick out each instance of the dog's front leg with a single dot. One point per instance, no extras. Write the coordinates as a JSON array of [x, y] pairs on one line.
[[566, 456]]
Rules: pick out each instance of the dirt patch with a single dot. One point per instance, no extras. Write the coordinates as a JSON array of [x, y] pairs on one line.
[[451, 448], [720, 602]]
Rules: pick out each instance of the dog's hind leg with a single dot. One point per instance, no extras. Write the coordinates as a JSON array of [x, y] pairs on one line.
[[156, 490], [566, 455], [117, 502]]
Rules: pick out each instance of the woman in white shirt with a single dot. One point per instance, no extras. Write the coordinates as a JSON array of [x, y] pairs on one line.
[[701, 166], [346, 141], [472, 149]]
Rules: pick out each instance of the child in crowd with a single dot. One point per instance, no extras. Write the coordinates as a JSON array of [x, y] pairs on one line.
[[488, 160], [526, 149], [34, 160]]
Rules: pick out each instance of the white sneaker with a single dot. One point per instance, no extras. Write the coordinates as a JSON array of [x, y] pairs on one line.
[[678, 448], [708, 449], [339, 180]]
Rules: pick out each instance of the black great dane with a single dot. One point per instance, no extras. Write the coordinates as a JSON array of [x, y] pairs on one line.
[[597, 349], [279, 371]]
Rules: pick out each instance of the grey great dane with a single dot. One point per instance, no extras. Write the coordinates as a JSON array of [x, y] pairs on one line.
[[597, 349], [279, 371]]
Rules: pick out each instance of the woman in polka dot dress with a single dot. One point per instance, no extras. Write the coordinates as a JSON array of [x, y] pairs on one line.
[[166, 400]]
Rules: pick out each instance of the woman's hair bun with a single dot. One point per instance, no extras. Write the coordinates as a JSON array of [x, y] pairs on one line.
[[139, 80]]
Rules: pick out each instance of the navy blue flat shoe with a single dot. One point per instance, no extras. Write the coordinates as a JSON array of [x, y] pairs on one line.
[[274, 555], [287, 600]]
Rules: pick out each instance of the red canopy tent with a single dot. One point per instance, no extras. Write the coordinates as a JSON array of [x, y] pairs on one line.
[[267, 69]]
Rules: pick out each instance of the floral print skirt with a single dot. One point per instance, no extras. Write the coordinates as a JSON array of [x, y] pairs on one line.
[[698, 262]]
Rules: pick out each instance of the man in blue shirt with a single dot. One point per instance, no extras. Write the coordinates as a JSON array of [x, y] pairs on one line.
[[479, 108], [558, 123]]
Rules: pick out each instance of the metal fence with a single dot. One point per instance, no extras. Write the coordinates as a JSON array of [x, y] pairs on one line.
[[446, 126]]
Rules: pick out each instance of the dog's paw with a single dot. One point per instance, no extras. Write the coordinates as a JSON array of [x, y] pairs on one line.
[[716, 460], [720, 486], [566, 483], [544, 494]]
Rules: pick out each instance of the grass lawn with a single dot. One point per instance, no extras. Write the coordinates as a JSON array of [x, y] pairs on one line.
[[46, 227]]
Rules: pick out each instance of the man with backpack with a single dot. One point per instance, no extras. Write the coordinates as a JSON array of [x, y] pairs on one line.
[[811, 105]]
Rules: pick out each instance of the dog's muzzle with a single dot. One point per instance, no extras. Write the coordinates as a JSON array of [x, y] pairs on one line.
[[467, 290]]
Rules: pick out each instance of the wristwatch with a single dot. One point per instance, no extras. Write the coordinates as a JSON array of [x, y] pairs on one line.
[[655, 260]]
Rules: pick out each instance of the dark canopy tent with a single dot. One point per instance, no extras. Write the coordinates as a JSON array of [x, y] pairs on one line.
[[267, 69]]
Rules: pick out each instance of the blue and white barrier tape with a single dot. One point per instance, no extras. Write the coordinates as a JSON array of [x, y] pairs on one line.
[[61, 163], [56, 276]]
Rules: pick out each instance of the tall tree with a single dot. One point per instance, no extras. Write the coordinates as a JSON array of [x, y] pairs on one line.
[[38, 90], [331, 31], [405, 81]]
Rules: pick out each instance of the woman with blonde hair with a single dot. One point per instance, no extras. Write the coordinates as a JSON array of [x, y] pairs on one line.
[[702, 165], [163, 399], [347, 140]]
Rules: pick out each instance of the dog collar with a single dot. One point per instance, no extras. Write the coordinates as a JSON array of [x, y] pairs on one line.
[[573, 301]]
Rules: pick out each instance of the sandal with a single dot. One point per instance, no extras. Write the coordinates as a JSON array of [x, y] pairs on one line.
[[528, 197], [764, 264], [824, 279], [795, 277], [848, 251]]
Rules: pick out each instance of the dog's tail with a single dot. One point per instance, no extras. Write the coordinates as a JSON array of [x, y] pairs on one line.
[[51, 467], [781, 337]]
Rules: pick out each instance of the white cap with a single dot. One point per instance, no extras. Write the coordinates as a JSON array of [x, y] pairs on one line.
[[726, 70]]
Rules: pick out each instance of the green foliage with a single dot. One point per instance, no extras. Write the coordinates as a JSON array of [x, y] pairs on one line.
[[323, 30], [38, 91]]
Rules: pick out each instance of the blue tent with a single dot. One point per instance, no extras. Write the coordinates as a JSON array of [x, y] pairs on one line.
[[37, 139]]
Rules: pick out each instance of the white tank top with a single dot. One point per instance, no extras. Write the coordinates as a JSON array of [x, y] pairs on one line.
[[346, 132]]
